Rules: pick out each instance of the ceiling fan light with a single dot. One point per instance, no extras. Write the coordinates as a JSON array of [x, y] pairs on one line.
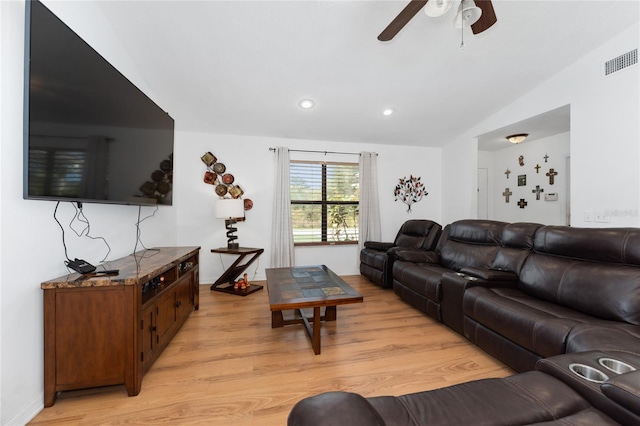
[[468, 14], [518, 138], [435, 8]]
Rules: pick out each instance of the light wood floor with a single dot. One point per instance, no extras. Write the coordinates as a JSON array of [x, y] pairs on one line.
[[227, 366]]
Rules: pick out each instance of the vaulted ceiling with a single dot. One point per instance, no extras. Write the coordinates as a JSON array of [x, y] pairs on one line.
[[241, 67]]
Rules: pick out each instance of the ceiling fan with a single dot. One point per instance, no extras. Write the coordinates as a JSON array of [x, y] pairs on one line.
[[480, 16]]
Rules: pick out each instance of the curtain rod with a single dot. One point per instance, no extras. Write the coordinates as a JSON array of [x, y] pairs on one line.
[[322, 152]]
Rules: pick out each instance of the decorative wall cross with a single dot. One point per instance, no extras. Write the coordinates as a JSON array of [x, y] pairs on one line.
[[551, 173], [537, 167], [546, 157], [522, 203], [506, 194], [537, 191], [508, 172]]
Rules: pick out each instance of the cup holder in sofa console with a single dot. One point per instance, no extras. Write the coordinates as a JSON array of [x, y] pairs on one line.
[[615, 365], [588, 373]]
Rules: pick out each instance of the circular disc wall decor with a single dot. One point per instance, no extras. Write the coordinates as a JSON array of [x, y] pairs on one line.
[[221, 190], [219, 168], [215, 175]]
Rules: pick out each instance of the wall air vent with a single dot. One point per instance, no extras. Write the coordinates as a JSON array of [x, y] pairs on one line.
[[621, 62]]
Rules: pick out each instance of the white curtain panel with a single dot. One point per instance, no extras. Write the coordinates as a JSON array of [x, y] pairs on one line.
[[369, 205], [282, 253]]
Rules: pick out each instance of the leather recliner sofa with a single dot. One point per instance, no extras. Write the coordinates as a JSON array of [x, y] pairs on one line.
[[466, 245], [578, 290], [376, 258], [554, 394], [523, 291]]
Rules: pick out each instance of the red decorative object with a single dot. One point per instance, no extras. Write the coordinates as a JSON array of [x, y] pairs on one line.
[[210, 177], [409, 191]]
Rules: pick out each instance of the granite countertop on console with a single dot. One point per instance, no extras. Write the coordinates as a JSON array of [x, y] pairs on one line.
[[133, 269]]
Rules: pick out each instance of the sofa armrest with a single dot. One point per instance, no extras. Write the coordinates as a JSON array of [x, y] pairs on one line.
[[334, 408], [376, 245], [625, 390], [490, 274], [417, 256]]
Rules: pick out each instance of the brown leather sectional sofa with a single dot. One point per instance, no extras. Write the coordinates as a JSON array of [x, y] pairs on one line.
[[524, 291], [535, 297]]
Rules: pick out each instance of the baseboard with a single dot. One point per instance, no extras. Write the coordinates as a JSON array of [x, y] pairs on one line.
[[25, 415]]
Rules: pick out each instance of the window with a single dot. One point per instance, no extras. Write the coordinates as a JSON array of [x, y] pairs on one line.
[[56, 172], [324, 202]]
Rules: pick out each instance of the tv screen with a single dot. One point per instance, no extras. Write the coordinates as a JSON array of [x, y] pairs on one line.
[[90, 134]]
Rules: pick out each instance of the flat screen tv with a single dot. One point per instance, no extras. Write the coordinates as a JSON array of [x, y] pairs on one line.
[[90, 134]]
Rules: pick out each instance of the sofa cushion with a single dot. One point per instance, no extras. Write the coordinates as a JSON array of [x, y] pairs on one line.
[[517, 243], [608, 245], [537, 325], [526, 398], [606, 291], [470, 243], [418, 233], [422, 278], [605, 336]]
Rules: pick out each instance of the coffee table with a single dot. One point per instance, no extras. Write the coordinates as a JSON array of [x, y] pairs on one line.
[[307, 287]]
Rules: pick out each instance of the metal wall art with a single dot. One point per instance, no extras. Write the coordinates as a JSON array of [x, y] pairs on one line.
[[409, 191], [224, 183]]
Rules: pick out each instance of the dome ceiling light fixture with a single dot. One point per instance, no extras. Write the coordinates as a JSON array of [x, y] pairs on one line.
[[388, 111], [517, 138]]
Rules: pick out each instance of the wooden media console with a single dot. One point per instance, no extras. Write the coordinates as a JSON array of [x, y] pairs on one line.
[[108, 330]]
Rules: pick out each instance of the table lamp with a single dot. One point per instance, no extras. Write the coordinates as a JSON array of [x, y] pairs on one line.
[[230, 209]]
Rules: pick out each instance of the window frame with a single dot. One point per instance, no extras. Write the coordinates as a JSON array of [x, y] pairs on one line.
[[324, 203]]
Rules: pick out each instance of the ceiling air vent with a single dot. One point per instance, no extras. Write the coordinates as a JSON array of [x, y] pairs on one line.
[[621, 62]]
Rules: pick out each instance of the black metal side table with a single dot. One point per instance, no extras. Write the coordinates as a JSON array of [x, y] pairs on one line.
[[226, 281]]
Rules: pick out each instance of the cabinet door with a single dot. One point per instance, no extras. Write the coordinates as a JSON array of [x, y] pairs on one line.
[[184, 299], [165, 316], [89, 346], [148, 334]]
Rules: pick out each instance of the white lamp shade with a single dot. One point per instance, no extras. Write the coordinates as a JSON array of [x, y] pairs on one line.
[[468, 14], [435, 8], [229, 207]]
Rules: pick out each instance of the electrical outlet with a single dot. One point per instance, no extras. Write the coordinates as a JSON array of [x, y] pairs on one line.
[[602, 217], [588, 216]]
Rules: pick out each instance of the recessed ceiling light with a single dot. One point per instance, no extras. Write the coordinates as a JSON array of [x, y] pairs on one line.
[[388, 111], [306, 104]]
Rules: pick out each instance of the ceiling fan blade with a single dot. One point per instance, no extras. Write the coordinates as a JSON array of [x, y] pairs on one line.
[[402, 19], [487, 19]]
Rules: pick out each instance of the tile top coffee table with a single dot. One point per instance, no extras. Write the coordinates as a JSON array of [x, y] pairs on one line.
[[307, 287]]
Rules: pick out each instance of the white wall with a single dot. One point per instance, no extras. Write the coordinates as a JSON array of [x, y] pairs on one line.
[[31, 248], [539, 211], [605, 130], [248, 158]]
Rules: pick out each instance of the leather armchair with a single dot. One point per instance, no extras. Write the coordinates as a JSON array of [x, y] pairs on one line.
[[376, 258]]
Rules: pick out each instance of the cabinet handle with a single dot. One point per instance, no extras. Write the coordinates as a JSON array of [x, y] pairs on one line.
[[178, 303], [154, 328]]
